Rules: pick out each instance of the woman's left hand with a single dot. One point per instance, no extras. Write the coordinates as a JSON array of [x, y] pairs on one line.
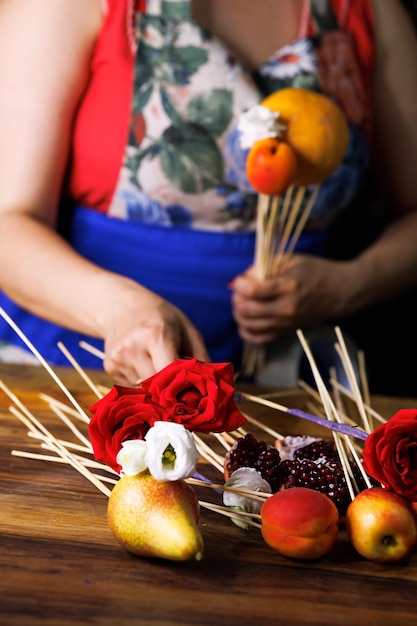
[[305, 291]]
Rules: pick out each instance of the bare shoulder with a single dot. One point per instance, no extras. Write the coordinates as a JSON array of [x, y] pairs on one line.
[[45, 49], [44, 23]]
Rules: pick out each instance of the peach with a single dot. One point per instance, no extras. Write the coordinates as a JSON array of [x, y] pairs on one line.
[[382, 525], [271, 166], [300, 523]]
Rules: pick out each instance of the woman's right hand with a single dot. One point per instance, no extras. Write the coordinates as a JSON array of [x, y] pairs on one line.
[[144, 333]]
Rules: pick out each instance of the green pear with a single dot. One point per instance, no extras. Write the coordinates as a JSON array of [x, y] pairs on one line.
[[151, 518]]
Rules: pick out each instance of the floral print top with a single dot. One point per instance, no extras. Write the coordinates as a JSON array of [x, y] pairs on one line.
[[183, 164]]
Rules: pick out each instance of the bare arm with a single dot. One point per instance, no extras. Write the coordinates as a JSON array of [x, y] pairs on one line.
[[45, 47], [390, 266]]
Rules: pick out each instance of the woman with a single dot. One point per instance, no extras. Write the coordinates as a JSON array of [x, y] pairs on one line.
[[154, 260]]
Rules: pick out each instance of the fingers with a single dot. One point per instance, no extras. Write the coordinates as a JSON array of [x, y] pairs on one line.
[[163, 353], [259, 331], [194, 345], [261, 315], [121, 373], [246, 286], [148, 348]]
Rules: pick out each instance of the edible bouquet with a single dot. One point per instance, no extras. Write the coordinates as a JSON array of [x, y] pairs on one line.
[[295, 139], [188, 395], [155, 445], [299, 490]]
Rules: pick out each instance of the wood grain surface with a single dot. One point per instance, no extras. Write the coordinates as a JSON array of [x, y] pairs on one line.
[[60, 565]]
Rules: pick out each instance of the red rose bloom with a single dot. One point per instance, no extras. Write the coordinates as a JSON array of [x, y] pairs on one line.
[[198, 395], [122, 414], [390, 454]]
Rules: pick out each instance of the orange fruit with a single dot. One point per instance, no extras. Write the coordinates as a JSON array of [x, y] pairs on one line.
[[300, 523], [271, 166], [316, 129]]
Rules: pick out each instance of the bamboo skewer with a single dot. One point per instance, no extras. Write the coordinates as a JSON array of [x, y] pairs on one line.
[[263, 427], [65, 454], [92, 349], [235, 514], [207, 453], [79, 370], [325, 396], [80, 436], [260, 496], [68, 410], [300, 224], [279, 225], [228, 439], [347, 363], [59, 459], [374, 414], [331, 412], [330, 424], [44, 363], [70, 453], [226, 445]]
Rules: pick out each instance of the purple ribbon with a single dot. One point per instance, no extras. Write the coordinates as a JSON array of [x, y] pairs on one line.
[[345, 429]]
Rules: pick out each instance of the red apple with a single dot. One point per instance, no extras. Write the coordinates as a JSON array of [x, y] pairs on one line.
[[382, 525], [300, 523]]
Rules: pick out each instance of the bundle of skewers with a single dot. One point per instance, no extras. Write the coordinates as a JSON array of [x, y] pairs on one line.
[[296, 139]]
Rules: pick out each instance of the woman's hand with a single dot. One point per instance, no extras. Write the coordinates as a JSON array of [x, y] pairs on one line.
[[306, 291], [144, 333]]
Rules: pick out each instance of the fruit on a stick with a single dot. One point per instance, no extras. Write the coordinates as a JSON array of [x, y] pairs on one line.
[[316, 129], [381, 525], [151, 518], [300, 523], [271, 166]]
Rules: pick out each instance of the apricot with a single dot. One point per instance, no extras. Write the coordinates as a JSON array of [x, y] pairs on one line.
[[271, 166], [300, 523], [316, 129]]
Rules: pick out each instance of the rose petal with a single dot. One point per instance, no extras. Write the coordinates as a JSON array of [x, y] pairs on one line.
[[390, 454]]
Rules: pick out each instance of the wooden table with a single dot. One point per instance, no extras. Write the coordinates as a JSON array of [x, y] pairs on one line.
[[60, 565]]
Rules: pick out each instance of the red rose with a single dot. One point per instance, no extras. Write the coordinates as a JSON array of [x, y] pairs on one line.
[[390, 454], [198, 395], [122, 414]]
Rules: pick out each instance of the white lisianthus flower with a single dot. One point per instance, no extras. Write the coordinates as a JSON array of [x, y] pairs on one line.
[[172, 453], [249, 479], [258, 123], [132, 457]]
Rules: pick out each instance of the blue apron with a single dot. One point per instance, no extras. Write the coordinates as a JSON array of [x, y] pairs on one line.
[[190, 268]]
